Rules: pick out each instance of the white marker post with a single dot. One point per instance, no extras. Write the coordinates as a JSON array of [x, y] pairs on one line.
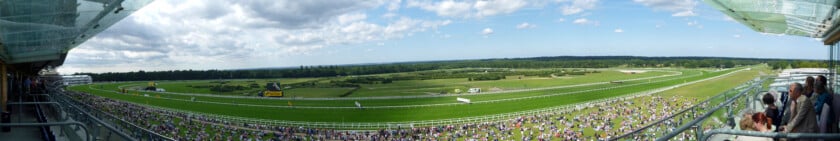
[[463, 100]]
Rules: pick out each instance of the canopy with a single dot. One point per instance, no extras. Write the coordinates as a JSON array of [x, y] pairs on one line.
[[808, 18], [39, 33]]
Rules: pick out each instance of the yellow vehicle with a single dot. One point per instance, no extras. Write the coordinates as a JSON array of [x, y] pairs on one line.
[[272, 90], [152, 86]]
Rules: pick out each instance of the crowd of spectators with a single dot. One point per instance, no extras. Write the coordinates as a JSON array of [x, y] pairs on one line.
[[808, 108]]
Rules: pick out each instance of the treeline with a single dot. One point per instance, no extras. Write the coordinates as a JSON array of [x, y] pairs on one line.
[[797, 64], [474, 74], [536, 62]]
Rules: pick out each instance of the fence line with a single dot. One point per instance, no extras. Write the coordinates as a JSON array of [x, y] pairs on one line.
[[425, 123], [694, 109], [676, 73], [429, 105]]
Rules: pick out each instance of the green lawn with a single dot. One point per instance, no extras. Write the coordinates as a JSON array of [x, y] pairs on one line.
[[315, 92], [400, 88], [223, 107], [183, 86], [430, 87]]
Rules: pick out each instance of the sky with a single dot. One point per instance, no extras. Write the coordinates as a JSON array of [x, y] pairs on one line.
[[234, 34]]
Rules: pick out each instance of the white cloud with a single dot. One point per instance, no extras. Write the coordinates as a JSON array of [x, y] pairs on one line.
[[736, 35], [175, 34], [618, 30], [525, 25], [584, 21], [680, 8], [560, 20], [389, 15], [447, 8], [353, 17], [469, 9], [487, 31], [727, 18], [684, 14], [571, 7], [494, 7], [694, 24], [394, 5]]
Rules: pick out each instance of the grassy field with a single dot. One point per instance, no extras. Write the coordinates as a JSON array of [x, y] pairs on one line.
[[711, 88], [184, 86], [429, 108], [399, 88], [707, 89], [427, 87], [316, 92]]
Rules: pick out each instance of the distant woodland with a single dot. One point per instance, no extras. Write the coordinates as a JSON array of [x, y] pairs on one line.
[[524, 63]]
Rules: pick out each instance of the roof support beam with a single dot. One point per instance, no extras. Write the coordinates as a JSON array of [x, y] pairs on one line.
[[36, 58], [832, 37], [4, 86]]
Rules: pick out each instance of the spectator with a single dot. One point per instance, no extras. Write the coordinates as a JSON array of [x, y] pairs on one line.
[[803, 118], [809, 86], [822, 100], [772, 111], [748, 124], [26, 83], [761, 122], [820, 95]]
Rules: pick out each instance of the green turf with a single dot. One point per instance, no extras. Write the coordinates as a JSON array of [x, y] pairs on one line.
[[315, 92], [183, 86], [427, 87], [386, 114], [404, 88]]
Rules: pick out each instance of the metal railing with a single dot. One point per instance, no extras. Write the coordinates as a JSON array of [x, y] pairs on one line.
[[60, 123], [708, 114], [126, 130], [711, 133], [690, 110], [72, 112]]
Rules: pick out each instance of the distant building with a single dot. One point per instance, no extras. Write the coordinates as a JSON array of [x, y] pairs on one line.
[[76, 79], [788, 76], [632, 71], [474, 90]]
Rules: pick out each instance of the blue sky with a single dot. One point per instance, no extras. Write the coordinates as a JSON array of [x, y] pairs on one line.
[[224, 34]]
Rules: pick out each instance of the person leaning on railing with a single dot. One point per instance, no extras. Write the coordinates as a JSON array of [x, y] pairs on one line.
[[803, 118], [772, 111], [822, 100], [809, 86]]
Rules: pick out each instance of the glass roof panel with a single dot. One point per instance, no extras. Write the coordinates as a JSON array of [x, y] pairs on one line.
[[809, 18], [45, 30]]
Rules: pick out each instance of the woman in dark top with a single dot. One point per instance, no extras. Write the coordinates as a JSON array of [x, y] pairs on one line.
[[809, 86], [772, 111]]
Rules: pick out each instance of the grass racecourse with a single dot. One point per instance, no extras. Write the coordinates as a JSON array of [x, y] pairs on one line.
[[416, 100]]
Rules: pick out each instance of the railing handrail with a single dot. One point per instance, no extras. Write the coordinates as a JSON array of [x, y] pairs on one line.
[[711, 133], [69, 102], [59, 123], [673, 115], [708, 114]]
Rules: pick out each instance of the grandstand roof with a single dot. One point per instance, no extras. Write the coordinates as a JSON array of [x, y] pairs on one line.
[[39, 33], [808, 18]]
